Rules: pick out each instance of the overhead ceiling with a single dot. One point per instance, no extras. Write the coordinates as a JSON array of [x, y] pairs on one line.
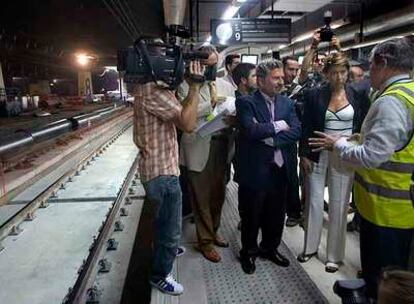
[[44, 32], [59, 27]]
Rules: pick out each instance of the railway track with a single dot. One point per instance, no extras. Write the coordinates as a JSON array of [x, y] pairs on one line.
[[123, 195]]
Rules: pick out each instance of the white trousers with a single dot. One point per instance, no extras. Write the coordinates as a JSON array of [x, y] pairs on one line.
[[339, 179]]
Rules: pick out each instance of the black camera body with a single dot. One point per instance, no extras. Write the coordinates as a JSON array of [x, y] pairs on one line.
[[153, 60], [140, 65], [326, 32]]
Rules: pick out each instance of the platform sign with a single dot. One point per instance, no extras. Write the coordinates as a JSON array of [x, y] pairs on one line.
[[250, 30]]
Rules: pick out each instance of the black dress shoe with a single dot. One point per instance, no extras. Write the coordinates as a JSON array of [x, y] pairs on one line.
[[303, 258], [248, 264], [292, 221], [276, 257]]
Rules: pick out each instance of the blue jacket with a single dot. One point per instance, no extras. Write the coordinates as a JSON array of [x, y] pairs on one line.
[[253, 157]]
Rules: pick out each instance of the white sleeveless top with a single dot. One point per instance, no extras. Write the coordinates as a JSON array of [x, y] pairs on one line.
[[341, 121]]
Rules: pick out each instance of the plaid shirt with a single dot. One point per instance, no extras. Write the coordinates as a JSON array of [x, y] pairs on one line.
[[154, 131]]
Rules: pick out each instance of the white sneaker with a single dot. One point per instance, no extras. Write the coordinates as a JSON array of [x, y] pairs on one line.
[[169, 286], [180, 251]]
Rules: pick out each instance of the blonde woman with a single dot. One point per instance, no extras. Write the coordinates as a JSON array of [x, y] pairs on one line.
[[335, 108]]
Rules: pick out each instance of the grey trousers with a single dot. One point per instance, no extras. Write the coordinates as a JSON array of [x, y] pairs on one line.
[[209, 189], [339, 179]]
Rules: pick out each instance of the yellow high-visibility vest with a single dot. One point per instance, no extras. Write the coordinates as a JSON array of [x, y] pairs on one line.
[[382, 194]]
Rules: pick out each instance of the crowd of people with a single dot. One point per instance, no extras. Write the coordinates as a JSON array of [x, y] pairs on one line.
[[352, 135]]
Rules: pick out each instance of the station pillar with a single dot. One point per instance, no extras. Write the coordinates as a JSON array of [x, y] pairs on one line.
[[85, 83]]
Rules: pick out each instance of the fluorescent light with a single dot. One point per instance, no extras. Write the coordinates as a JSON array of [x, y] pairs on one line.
[[282, 46], [364, 44], [230, 12], [302, 37], [208, 41]]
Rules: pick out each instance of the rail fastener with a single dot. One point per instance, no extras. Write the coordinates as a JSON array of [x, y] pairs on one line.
[[81, 266], [123, 211], [93, 243], [44, 204], [119, 226], [104, 266], [112, 245], [93, 295], [15, 230], [30, 216]]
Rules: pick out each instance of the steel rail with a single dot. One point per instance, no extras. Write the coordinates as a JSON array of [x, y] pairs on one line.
[[86, 278]]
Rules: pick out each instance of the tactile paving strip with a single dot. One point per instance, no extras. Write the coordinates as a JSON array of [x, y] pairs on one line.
[[227, 283]]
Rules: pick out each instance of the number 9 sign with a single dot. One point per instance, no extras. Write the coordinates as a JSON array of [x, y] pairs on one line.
[[237, 36]]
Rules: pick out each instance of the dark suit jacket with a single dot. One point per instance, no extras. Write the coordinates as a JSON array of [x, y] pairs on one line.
[[316, 104], [253, 159]]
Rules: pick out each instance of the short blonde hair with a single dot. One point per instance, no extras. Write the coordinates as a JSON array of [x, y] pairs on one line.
[[335, 59]]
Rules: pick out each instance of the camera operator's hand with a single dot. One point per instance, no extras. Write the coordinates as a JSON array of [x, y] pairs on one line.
[[196, 75], [335, 43], [316, 39]]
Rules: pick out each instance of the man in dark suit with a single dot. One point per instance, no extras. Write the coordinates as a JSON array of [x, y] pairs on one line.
[[268, 124]]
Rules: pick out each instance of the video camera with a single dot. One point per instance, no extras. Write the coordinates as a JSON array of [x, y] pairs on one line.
[[326, 31], [150, 59]]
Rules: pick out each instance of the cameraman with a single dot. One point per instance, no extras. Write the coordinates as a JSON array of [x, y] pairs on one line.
[[156, 114], [205, 159]]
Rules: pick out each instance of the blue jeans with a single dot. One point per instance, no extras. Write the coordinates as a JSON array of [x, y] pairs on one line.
[[165, 193]]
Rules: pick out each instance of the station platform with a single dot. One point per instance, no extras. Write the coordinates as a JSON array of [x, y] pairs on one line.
[[225, 282]]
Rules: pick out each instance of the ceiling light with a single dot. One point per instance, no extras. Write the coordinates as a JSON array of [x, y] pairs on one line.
[[302, 37], [282, 46], [230, 12], [83, 59], [224, 32], [364, 44], [207, 41]]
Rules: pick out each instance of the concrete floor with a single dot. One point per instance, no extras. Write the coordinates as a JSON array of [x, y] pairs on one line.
[[189, 271], [39, 265]]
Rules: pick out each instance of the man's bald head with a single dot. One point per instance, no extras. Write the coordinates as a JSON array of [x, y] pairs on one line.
[[356, 74]]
